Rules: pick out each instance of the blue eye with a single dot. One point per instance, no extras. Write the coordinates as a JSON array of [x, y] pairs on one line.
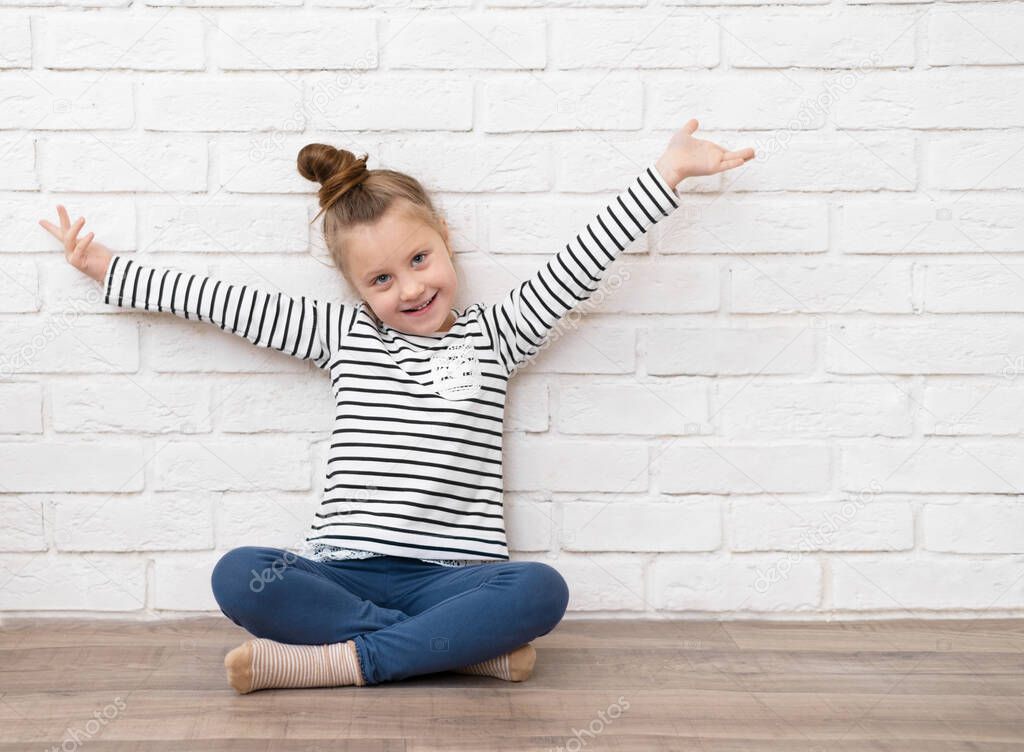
[[374, 282]]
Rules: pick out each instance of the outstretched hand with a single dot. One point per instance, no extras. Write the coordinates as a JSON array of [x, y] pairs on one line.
[[686, 156], [84, 254]]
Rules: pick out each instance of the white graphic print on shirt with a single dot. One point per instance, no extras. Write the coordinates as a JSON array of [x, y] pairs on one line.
[[456, 372]]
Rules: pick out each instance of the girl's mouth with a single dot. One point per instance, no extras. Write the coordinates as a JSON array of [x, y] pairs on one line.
[[424, 309]]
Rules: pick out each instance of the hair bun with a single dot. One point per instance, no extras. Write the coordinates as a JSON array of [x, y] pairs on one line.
[[337, 170]]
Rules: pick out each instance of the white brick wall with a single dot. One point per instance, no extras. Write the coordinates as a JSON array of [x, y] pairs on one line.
[[805, 401]]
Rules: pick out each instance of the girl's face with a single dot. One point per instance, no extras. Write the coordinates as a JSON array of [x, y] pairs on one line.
[[399, 263]]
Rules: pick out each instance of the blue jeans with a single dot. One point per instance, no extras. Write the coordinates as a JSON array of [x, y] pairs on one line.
[[406, 616]]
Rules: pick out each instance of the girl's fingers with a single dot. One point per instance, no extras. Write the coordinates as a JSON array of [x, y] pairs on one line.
[[77, 256], [74, 247], [84, 243], [72, 235], [50, 229], [747, 153]]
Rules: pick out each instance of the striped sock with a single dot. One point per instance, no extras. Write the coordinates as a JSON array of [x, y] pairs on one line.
[[263, 664], [514, 666]]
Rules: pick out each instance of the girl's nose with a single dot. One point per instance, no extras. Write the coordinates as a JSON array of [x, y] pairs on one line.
[[413, 295]]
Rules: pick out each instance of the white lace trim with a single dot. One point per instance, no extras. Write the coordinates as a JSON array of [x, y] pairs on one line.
[[325, 551]]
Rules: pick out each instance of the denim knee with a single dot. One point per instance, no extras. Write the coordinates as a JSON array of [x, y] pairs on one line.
[[548, 593], [231, 578]]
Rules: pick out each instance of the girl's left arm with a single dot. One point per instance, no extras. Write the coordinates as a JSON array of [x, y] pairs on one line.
[[524, 317]]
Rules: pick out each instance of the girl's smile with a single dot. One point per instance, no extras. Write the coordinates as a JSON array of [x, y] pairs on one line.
[[420, 310]]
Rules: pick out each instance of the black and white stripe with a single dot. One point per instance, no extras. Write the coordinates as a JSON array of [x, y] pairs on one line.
[[410, 473], [528, 312], [301, 327]]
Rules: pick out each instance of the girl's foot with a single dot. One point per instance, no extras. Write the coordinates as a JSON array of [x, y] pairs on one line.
[[263, 664], [514, 666]]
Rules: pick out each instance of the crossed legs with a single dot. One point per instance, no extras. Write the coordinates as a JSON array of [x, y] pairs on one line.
[[396, 617]]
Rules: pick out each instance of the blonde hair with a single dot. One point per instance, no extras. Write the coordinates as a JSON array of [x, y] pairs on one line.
[[351, 195]]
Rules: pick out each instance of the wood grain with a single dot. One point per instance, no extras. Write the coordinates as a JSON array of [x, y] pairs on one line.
[[608, 684]]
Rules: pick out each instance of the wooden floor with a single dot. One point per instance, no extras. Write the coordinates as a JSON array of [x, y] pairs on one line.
[[926, 686]]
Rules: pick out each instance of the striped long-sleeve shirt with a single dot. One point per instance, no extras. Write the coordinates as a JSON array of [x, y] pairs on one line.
[[415, 459]]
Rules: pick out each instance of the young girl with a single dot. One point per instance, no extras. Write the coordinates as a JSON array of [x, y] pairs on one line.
[[405, 569]]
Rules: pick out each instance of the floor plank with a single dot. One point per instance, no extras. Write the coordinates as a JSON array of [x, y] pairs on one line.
[[614, 684]]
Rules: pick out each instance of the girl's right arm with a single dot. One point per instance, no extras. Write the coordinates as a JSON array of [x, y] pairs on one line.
[[302, 327]]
